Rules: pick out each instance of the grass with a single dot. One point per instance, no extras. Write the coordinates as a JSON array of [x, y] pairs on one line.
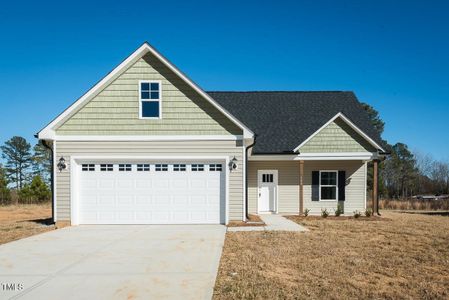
[[19, 221], [414, 204], [402, 256]]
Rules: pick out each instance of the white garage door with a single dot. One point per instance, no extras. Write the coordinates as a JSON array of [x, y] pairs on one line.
[[151, 193]]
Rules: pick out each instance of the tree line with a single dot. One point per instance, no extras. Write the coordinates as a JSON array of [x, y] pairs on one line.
[[26, 173], [405, 174]]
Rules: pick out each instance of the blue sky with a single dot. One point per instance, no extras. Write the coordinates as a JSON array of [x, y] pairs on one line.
[[392, 54]]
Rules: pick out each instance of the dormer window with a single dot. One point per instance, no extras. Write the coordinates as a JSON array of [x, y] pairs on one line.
[[150, 99]]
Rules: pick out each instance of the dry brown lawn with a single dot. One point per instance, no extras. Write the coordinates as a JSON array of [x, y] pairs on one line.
[[19, 221], [405, 256]]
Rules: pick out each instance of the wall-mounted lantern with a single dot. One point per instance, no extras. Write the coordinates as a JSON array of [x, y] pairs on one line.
[[233, 164], [61, 164]]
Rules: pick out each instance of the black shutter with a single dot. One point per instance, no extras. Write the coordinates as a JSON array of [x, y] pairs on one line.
[[315, 185], [341, 185]]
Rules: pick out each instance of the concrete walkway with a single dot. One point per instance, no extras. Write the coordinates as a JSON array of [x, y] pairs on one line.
[[272, 223], [113, 262]]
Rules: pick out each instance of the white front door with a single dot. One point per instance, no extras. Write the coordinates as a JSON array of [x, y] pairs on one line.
[[267, 190]]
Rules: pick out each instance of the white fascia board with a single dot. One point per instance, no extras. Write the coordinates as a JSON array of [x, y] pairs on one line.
[[365, 156], [262, 157], [316, 156], [48, 131], [347, 121], [151, 138]]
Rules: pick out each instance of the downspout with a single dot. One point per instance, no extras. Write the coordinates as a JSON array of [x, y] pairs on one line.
[[246, 175], [52, 181]]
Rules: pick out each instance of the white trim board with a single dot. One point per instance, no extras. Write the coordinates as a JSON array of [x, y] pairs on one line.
[[151, 138], [347, 121], [316, 156], [48, 132]]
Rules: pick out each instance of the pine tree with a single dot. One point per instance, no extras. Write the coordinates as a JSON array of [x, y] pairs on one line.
[[5, 195], [42, 162], [36, 192], [17, 154]]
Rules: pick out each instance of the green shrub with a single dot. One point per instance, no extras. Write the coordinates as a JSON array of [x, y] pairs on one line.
[[306, 212], [36, 192], [368, 212], [324, 213], [339, 210], [357, 214]]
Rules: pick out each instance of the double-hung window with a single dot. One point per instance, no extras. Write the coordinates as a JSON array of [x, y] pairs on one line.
[[150, 99], [328, 185]]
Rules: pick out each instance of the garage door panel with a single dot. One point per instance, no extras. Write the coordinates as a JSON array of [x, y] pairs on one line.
[[144, 200], [152, 197], [106, 183], [125, 200], [125, 183]]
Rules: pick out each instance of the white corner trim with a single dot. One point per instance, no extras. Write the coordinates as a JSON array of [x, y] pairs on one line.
[[347, 121], [366, 183], [48, 131], [244, 181], [151, 138], [55, 186]]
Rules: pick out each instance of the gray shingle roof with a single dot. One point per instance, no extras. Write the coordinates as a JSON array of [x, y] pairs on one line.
[[283, 120]]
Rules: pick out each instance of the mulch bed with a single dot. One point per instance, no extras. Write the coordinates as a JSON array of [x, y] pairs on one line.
[[253, 220]]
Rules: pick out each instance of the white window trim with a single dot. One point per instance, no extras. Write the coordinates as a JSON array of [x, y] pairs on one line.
[[150, 100], [325, 185]]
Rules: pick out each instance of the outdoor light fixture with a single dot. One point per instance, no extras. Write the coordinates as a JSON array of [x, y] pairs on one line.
[[233, 164], [61, 164]]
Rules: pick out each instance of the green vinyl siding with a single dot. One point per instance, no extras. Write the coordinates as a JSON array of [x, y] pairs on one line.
[[115, 110], [337, 137]]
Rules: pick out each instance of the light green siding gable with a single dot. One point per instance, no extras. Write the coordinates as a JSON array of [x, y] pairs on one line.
[[115, 110], [337, 137]]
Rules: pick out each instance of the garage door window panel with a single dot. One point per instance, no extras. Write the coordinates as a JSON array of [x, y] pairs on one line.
[[88, 167], [124, 167], [161, 167], [215, 167], [143, 167], [197, 167], [106, 167], [179, 167]]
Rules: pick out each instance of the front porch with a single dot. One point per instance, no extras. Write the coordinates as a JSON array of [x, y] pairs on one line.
[[293, 186]]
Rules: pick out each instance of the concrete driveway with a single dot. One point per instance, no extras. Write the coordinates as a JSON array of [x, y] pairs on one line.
[[113, 262]]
